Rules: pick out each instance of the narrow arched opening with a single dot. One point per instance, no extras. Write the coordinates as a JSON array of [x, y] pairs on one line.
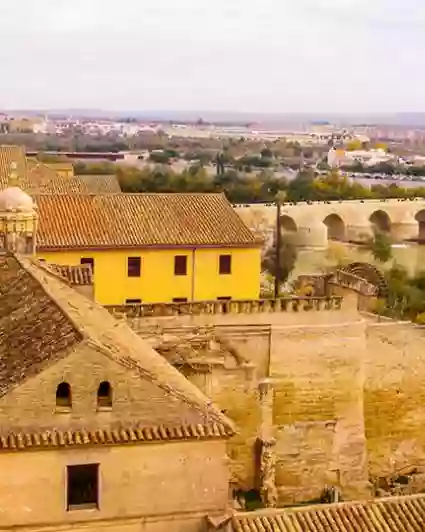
[[381, 222], [288, 228], [420, 218], [335, 227], [63, 395], [288, 224], [104, 395]]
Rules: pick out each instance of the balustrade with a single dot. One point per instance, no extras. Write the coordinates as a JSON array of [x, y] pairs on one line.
[[196, 308]]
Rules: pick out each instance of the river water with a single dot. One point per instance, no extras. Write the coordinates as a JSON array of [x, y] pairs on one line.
[[411, 256]]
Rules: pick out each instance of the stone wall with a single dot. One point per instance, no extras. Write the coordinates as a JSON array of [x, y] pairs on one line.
[[33, 403], [299, 349], [149, 487], [318, 410], [394, 396], [348, 400]]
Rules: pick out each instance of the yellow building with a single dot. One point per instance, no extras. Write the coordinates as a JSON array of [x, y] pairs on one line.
[[146, 248], [143, 248]]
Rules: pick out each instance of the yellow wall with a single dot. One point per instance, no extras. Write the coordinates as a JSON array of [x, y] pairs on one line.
[[158, 283]]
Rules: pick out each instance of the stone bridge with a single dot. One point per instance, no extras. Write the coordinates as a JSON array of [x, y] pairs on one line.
[[315, 223]]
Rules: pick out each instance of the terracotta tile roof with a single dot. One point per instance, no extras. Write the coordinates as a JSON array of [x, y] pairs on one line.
[[396, 514], [35, 177], [101, 184], [120, 435], [42, 319], [9, 154], [33, 329], [137, 220], [61, 166]]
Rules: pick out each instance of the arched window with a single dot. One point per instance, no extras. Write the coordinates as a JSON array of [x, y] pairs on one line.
[[63, 395], [104, 395]]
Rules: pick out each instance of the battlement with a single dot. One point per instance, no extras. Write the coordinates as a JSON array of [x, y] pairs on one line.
[[258, 306]]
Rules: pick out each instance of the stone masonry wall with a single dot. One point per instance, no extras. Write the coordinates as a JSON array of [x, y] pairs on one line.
[[33, 404], [318, 410], [300, 352], [161, 487], [349, 396], [394, 396]]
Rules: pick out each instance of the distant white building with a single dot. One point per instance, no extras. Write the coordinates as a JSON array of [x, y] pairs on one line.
[[340, 157]]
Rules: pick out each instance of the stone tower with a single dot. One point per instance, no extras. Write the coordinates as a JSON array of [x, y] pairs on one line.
[[18, 218]]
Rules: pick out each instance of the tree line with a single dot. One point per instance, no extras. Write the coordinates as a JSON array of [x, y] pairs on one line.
[[240, 187]]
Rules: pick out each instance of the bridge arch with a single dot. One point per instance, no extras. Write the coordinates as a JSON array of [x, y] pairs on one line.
[[380, 221], [335, 227], [420, 218], [288, 224]]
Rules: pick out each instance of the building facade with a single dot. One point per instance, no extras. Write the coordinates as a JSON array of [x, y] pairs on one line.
[[96, 428], [146, 248]]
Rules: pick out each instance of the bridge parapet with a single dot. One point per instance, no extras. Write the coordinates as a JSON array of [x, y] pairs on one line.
[[208, 308]]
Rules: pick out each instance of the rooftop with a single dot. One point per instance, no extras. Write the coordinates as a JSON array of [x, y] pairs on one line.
[[35, 177], [138, 220], [42, 319], [395, 514]]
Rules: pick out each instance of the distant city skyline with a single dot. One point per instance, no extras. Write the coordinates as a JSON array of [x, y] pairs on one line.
[[273, 56]]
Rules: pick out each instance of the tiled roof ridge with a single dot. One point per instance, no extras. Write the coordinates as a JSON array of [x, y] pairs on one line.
[[324, 506], [24, 440], [210, 412], [136, 194], [393, 514]]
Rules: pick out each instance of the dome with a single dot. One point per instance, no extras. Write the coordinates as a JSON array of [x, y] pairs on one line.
[[15, 199]]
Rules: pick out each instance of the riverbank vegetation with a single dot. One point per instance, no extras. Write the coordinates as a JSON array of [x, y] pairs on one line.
[[241, 187], [405, 299]]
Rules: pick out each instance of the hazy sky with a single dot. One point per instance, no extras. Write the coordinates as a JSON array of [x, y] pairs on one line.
[[240, 55]]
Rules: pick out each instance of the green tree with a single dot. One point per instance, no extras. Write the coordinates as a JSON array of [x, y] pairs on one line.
[[159, 157], [287, 260], [380, 246], [302, 187], [266, 153]]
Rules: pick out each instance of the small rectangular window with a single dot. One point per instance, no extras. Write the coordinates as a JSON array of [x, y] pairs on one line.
[[180, 265], [83, 486], [88, 261], [225, 264], [179, 299], [134, 266], [133, 301]]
